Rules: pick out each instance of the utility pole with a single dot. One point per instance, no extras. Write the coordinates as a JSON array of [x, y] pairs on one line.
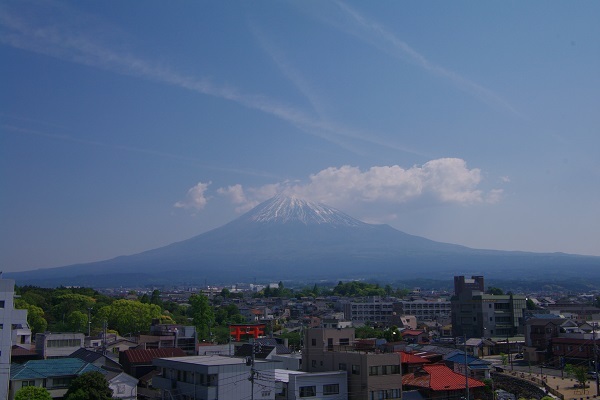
[[466, 368], [594, 327], [90, 321]]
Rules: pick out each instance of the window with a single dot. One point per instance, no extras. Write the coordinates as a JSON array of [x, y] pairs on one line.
[[355, 369], [313, 342], [384, 370], [344, 342], [28, 383], [343, 367], [308, 391], [395, 369], [373, 370], [331, 389], [314, 363]]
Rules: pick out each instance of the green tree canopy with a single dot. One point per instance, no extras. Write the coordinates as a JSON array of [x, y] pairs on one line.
[[33, 393], [89, 386], [203, 316], [129, 316], [494, 290], [35, 316]]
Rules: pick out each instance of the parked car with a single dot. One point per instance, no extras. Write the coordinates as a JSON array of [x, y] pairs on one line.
[[519, 356], [592, 374]]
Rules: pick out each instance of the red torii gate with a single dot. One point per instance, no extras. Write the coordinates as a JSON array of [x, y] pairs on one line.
[[238, 330]]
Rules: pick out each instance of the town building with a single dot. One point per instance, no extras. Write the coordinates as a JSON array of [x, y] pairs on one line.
[[13, 331], [477, 314], [54, 345], [215, 377], [425, 310], [374, 309], [293, 385], [371, 374]]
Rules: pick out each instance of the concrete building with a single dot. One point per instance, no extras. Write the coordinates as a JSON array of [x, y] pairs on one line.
[[476, 314], [425, 310], [215, 377], [55, 345], [293, 385], [374, 309], [371, 374], [13, 324]]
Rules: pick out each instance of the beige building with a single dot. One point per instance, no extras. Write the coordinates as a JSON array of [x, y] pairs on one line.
[[371, 375]]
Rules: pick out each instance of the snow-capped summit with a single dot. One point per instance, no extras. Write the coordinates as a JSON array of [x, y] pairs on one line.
[[285, 209]]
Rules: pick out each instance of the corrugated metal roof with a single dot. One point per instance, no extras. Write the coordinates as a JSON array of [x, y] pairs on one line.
[[146, 356]]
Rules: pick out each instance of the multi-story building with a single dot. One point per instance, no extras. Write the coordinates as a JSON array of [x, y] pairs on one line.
[[292, 385], [371, 374], [374, 309], [425, 310], [476, 314], [215, 377], [13, 324]]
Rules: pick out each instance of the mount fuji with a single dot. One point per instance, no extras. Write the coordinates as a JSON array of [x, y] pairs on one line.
[[287, 238]]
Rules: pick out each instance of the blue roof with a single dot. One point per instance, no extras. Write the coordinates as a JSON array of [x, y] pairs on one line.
[[473, 362], [55, 367]]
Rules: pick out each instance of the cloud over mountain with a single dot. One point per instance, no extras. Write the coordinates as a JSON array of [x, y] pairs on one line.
[[444, 180]]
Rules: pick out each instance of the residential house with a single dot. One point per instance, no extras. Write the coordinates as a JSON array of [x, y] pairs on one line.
[[139, 362], [53, 374], [437, 381]]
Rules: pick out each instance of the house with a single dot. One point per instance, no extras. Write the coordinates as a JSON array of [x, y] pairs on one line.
[[477, 367], [139, 362], [54, 345], [97, 359], [415, 336], [53, 374], [293, 385], [411, 362], [215, 377], [437, 381], [124, 386]]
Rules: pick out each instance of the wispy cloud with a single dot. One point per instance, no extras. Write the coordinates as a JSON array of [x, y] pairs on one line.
[[382, 38], [62, 42], [384, 188]]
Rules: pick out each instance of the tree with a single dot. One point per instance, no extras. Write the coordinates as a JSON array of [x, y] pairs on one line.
[[530, 304], [33, 393], [580, 373], [35, 316], [202, 314], [495, 291], [129, 316], [89, 386], [77, 322], [569, 370]]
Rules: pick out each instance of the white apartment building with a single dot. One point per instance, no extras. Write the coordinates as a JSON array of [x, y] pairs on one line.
[[8, 314], [214, 377], [294, 385]]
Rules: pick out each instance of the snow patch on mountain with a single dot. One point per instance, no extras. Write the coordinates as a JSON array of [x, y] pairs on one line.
[[284, 209]]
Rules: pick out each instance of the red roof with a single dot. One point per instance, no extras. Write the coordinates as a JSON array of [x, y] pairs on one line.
[[146, 356], [408, 358], [412, 332], [438, 377]]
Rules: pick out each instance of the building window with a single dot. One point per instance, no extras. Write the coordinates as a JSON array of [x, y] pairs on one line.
[[313, 342], [28, 383], [355, 369], [314, 363], [328, 390], [308, 391], [344, 342], [395, 369], [343, 367], [373, 370]]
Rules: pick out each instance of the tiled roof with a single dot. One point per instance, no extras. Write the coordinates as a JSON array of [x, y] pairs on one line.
[[17, 351], [438, 377], [408, 358], [147, 355], [51, 368]]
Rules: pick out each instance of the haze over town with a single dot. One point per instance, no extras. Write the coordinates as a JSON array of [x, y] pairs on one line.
[[125, 128]]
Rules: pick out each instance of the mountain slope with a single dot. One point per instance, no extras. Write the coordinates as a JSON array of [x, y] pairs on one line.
[[289, 238]]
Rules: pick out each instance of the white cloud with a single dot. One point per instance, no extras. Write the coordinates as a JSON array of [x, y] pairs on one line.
[[195, 198], [444, 180]]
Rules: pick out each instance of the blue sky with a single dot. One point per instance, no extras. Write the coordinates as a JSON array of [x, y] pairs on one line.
[[125, 126]]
